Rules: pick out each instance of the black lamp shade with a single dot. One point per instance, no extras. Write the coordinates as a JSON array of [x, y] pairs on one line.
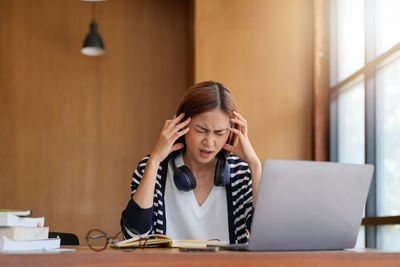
[[93, 45]]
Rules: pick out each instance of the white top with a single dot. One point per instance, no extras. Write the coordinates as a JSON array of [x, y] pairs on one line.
[[186, 219]]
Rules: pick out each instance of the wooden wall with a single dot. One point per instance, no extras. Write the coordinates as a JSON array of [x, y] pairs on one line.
[[73, 128], [263, 51]]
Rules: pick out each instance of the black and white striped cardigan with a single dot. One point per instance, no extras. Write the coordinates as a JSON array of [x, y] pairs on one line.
[[153, 220]]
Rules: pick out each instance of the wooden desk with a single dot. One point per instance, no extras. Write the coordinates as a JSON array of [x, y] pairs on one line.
[[83, 256]]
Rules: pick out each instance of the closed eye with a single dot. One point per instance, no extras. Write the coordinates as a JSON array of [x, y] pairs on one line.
[[201, 129]]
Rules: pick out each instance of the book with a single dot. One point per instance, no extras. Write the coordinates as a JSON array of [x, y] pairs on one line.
[[159, 240], [22, 213], [24, 233], [7, 219], [9, 245]]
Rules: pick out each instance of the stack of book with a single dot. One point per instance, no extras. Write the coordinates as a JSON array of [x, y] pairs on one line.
[[18, 232]]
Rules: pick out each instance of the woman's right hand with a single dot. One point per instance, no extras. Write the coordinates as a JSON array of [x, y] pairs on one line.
[[172, 130]]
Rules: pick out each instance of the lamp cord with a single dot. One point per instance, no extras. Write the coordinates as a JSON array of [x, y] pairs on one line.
[[94, 10]]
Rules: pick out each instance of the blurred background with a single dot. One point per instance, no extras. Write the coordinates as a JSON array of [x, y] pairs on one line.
[[73, 127]]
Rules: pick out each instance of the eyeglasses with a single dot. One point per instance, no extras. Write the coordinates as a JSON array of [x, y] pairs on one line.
[[98, 240]]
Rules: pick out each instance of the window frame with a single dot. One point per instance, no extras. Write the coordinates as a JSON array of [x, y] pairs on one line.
[[371, 64]]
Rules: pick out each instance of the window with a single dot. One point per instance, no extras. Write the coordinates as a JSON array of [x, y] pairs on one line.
[[388, 139], [365, 107], [350, 107]]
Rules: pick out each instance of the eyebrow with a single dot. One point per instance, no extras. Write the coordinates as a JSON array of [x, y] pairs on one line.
[[205, 129]]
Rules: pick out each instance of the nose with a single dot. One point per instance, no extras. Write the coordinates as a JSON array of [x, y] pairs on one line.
[[209, 141]]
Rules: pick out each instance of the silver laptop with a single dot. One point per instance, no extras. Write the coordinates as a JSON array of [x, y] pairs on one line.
[[309, 205]]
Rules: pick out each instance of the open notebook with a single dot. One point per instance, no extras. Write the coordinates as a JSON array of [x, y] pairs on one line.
[[158, 240]]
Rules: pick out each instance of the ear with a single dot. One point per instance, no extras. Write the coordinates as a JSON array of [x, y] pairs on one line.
[[181, 140]]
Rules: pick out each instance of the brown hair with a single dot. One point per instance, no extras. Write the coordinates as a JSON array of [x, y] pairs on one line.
[[206, 96]]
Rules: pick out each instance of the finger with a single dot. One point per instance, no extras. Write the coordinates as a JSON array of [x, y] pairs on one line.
[[176, 146], [239, 116], [179, 117], [172, 123], [228, 147], [167, 122], [179, 127], [180, 133], [242, 125], [236, 131], [182, 124]]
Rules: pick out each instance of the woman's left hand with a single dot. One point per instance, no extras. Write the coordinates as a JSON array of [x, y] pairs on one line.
[[243, 149], [246, 152]]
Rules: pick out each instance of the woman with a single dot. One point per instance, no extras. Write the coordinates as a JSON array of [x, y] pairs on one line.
[[197, 183]]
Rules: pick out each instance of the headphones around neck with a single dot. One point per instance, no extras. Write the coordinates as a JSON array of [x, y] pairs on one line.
[[185, 180]]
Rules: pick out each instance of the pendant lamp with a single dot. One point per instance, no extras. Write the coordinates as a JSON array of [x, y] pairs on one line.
[[93, 44]]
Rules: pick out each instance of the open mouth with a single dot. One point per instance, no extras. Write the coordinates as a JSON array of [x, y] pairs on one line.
[[205, 153]]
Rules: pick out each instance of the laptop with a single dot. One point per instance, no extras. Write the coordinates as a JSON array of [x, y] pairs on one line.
[[309, 205]]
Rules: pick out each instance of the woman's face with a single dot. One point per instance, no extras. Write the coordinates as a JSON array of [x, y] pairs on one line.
[[207, 135]]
